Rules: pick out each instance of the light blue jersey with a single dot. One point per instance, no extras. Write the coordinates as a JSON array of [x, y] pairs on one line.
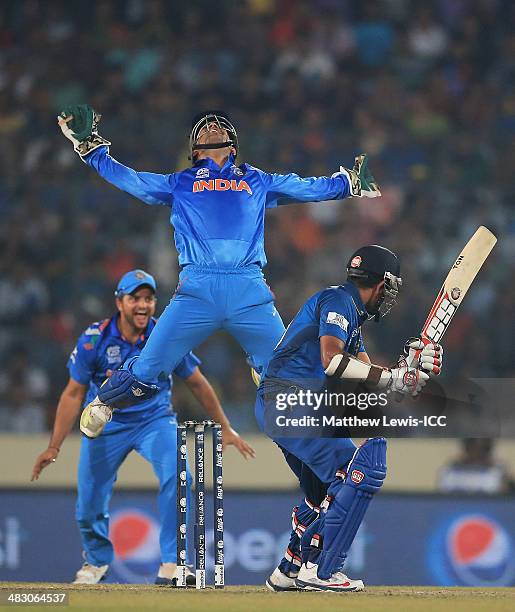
[[218, 213]]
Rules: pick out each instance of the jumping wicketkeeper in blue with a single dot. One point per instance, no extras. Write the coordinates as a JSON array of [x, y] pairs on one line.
[[218, 212]]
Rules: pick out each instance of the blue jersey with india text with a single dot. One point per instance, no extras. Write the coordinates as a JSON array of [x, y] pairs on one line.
[[336, 311], [218, 213], [101, 349]]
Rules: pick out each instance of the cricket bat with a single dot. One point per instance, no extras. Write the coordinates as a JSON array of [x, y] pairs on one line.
[[457, 283], [454, 289]]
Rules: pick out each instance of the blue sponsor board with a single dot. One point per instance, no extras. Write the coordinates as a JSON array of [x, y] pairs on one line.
[[406, 539]]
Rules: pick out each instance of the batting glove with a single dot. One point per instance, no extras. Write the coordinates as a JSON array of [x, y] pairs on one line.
[[406, 380], [427, 356]]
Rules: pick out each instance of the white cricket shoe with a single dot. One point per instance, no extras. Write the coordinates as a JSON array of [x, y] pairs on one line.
[[278, 581], [167, 575], [308, 580], [90, 574], [94, 418]]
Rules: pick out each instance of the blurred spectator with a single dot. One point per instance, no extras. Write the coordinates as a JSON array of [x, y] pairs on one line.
[[427, 38], [476, 471], [23, 389]]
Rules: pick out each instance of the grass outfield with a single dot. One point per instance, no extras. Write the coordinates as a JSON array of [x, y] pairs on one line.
[[251, 598]]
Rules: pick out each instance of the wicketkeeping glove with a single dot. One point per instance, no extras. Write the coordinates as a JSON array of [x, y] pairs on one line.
[[362, 183], [79, 123]]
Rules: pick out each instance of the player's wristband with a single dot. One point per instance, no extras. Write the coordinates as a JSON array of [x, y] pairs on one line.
[[346, 366]]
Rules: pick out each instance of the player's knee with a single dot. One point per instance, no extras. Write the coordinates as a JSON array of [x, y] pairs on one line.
[[367, 470], [146, 370], [88, 517]]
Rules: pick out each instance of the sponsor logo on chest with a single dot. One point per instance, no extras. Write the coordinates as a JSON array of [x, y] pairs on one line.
[[202, 173], [221, 185], [113, 354]]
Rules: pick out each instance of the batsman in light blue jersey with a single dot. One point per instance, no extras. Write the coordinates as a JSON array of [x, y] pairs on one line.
[[218, 213], [149, 427], [323, 345]]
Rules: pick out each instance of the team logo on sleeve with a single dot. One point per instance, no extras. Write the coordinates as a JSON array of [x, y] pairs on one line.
[[337, 319], [93, 331]]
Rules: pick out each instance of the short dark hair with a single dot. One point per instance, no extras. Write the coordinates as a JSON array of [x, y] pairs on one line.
[[364, 283]]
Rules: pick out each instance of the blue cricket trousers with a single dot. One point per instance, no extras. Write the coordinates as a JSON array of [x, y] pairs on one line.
[[155, 440], [206, 300], [323, 456]]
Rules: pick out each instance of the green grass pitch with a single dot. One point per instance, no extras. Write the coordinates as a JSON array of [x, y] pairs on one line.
[[251, 598]]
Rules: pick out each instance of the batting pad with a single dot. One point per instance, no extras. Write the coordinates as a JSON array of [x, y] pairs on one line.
[[350, 499]]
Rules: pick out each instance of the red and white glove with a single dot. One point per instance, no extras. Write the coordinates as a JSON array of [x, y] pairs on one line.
[[424, 355], [406, 380]]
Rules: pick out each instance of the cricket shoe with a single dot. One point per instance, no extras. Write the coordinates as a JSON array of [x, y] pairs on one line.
[[167, 575], [90, 574], [308, 580], [278, 581], [94, 418]]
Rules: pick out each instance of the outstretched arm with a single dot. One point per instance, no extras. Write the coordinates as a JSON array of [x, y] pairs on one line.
[[149, 187], [68, 409], [357, 182], [79, 124], [206, 396]]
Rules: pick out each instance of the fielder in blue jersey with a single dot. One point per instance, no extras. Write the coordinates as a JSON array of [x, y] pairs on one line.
[[322, 345], [218, 212], [149, 428]]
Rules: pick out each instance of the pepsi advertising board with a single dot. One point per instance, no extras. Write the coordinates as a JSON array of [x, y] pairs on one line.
[[405, 539]]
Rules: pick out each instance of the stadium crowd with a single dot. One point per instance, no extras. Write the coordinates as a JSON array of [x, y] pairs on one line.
[[426, 89]]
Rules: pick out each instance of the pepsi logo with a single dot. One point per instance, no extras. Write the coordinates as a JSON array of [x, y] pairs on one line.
[[472, 550], [135, 538], [356, 476], [480, 551]]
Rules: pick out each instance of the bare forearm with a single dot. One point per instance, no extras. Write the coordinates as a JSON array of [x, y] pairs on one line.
[[66, 414]]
